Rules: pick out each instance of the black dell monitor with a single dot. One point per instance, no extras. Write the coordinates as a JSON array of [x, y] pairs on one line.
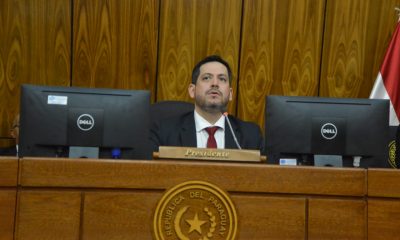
[[316, 130], [84, 122]]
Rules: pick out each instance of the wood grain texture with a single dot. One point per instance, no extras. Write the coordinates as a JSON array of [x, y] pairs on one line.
[[384, 183], [34, 48], [383, 219], [355, 35], [8, 171], [115, 199], [119, 215], [337, 219], [265, 217], [280, 54], [229, 176], [115, 43], [48, 215], [189, 31], [7, 213]]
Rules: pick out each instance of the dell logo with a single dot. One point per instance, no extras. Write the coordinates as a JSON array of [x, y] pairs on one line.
[[85, 122], [328, 131]]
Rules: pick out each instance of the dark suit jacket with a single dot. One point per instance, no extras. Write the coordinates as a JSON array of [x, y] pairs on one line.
[[181, 131]]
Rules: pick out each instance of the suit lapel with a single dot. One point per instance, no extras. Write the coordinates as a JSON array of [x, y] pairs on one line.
[[229, 140], [188, 132]]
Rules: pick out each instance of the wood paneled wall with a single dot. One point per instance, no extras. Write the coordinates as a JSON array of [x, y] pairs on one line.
[[288, 47]]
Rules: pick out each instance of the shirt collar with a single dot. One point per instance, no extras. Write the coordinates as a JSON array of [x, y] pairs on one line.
[[201, 123]]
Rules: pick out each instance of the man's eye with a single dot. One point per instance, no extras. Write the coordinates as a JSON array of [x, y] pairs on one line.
[[206, 78], [222, 79]]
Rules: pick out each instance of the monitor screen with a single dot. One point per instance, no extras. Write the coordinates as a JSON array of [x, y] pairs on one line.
[[304, 127], [64, 121]]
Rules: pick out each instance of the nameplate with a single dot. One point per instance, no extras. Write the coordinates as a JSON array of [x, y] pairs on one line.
[[209, 154]]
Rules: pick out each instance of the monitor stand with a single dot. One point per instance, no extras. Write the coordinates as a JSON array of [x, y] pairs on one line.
[[83, 152], [328, 160]]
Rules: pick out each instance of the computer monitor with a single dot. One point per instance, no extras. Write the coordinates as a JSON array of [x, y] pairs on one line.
[[303, 128], [84, 122]]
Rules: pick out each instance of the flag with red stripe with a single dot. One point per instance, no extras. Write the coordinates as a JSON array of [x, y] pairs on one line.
[[387, 84]]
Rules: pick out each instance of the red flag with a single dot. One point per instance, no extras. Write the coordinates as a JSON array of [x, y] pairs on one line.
[[387, 84]]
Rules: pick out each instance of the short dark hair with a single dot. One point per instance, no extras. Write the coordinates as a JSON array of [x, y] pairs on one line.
[[212, 58]]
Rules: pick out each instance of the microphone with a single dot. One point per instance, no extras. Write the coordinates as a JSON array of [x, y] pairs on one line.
[[230, 127]]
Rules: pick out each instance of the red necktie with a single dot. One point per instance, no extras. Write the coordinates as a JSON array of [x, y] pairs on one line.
[[211, 143]]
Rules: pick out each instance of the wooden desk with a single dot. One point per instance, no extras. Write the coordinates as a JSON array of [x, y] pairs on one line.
[[8, 194], [116, 199], [383, 203]]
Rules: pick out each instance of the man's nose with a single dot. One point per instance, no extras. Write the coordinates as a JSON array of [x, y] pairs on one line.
[[215, 82]]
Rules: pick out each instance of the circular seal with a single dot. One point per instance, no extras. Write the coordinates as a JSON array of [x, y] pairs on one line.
[[195, 210], [392, 154]]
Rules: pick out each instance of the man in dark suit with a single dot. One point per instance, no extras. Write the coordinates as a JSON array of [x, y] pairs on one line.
[[211, 91]]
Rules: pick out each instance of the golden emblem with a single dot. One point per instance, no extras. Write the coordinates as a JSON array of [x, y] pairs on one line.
[[392, 154], [195, 210]]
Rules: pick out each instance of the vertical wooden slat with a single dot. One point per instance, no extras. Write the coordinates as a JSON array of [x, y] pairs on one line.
[[115, 43], [281, 44], [34, 48], [189, 31]]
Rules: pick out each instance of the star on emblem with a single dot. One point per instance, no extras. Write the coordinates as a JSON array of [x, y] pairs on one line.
[[195, 224]]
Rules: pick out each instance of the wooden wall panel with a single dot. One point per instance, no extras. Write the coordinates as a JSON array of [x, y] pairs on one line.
[[189, 31], [115, 43], [48, 215], [280, 54], [356, 37], [291, 47], [34, 48]]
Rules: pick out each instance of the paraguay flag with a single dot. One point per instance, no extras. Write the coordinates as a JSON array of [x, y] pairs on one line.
[[387, 84]]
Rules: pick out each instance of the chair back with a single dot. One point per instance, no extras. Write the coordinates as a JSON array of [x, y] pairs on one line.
[[165, 109]]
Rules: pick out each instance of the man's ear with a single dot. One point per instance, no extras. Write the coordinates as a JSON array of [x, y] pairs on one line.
[[191, 90], [230, 94]]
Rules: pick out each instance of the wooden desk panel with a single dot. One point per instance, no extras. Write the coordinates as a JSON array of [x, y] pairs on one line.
[[384, 183], [337, 219], [48, 215], [239, 177], [119, 215], [7, 212], [116, 199], [271, 217], [8, 195], [383, 218], [8, 171]]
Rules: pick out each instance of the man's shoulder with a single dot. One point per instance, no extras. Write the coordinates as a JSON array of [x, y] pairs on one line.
[[172, 123], [243, 124]]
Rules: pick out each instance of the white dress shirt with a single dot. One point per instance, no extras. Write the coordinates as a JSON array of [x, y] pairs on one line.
[[202, 135]]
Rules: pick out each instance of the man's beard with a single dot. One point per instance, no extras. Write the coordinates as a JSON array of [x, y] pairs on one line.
[[212, 107]]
